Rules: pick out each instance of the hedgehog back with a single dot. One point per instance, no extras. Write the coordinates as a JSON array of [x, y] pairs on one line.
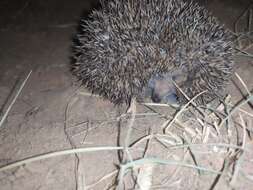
[[122, 45]]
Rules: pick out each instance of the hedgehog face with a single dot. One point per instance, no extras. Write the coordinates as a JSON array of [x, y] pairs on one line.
[[161, 88]]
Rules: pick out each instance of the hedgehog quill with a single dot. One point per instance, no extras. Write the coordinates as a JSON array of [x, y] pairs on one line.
[[131, 48]]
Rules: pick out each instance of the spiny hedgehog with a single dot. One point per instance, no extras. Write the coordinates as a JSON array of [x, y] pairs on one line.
[[123, 46]]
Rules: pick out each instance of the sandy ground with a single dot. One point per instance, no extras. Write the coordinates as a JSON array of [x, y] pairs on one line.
[[53, 113]]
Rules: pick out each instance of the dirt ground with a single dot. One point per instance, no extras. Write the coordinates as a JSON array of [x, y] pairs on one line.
[[53, 113]]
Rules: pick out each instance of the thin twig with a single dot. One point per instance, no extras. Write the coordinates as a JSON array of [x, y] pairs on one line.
[[102, 179], [181, 111], [126, 154]]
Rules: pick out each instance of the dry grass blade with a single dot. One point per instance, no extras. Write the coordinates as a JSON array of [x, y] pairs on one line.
[[102, 179], [209, 144], [241, 158], [247, 10], [88, 94], [140, 140], [237, 107], [81, 185], [245, 112], [14, 100], [243, 83], [132, 110], [167, 124], [244, 53], [57, 153], [155, 104], [127, 155], [144, 179], [165, 162]]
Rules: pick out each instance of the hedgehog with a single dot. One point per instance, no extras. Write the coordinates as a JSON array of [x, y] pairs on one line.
[[129, 48]]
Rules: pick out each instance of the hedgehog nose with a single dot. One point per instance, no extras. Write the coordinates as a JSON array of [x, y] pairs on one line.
[[155, 98]]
